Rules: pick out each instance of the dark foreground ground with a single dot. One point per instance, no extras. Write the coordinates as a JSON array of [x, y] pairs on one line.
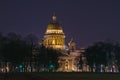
[[59, 76]]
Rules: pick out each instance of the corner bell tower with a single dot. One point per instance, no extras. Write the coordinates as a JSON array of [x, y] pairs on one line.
[[54, 36]]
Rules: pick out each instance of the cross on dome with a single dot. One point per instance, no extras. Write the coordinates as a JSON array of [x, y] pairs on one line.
[[54, 17]]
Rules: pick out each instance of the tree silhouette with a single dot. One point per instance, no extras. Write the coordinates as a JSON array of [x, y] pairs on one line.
[[106, 53], [48, 56]]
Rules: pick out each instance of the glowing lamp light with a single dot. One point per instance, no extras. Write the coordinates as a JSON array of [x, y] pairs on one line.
[[51, 66], [20, 66]]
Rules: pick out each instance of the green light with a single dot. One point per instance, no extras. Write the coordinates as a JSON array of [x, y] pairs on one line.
[[51, 66], [20, 66]]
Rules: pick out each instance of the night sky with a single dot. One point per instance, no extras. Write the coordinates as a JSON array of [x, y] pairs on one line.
[[86, 21]]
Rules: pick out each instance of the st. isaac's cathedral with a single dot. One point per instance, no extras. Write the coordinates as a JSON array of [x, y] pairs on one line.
[[55, 38]]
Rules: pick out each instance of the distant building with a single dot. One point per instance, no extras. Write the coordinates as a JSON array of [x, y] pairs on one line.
[[55, 38]]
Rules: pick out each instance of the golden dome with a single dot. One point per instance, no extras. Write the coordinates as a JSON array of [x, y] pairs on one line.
[[54, 25], [54, 36]]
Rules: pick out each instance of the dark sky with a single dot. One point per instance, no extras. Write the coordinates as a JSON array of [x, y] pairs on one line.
[[87, 21]]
